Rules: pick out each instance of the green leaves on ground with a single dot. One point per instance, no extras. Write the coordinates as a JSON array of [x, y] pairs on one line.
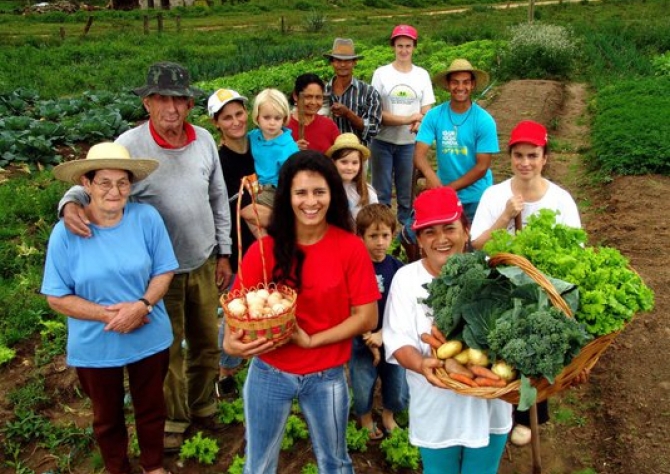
[[633, 140], [203, 450], [398, 452]]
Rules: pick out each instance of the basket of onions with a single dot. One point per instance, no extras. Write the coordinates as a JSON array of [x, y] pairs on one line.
[[265, 310]]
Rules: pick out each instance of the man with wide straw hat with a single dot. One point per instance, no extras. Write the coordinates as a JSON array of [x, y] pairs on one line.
[[111, 289], [464, 134], [189, 192], [355, 105]]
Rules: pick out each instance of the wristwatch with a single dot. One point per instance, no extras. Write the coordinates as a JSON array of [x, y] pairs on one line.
[[150, 307]]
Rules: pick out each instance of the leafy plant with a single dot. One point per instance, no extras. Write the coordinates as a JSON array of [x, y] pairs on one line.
[[610, 292], [237, 466], [296, 429], [310, 468], [539, 51], [6, 354], [357, 438], [53, 341], [203, 450], [231, 411], [398, 452], [30, 396]]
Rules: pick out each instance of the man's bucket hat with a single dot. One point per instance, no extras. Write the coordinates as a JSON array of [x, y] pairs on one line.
[[169, 79]]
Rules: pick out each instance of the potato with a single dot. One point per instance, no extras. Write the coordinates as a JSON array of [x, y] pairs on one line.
[[449, 349]]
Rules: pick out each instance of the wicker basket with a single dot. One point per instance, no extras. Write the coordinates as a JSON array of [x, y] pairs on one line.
[[585, 360], [276, 327]]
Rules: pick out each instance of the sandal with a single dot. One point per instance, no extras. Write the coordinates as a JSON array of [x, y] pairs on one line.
[[374, 433]]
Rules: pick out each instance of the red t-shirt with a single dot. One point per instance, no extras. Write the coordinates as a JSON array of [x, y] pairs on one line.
[[337, 274], [320, 134]]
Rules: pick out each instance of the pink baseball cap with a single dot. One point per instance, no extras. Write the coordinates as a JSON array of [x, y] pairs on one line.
[[528, 131], [404, 30], [436, 206]]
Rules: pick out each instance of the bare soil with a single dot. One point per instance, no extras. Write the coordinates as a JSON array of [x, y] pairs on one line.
[[614, 424]]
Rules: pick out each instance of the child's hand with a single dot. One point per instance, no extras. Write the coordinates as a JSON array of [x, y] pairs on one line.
[[303, 144]]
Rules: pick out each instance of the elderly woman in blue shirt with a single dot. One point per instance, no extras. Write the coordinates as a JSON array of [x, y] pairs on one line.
[[110, 286]]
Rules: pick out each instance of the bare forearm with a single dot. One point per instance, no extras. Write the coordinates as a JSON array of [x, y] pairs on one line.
[[472, 176], [363, 318], [78, 307], [410, 358], [157, 288]]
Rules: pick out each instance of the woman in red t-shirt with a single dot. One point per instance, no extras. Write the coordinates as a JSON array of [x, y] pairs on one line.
[[318, 131], [311, 247]]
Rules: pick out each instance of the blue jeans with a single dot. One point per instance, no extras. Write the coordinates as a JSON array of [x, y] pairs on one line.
[[324, 401], [462, 460], [395, 393], [393, 164]]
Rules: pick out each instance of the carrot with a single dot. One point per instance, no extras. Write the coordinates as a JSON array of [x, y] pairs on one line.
[[480, 371], [431, 340], [487, 382], [463, 379], [452, 366], [438, 334]]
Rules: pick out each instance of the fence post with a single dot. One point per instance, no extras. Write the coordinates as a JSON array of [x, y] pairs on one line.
[[61, 33], [89, 22], [178, 19], [146, 24], [160, 22]]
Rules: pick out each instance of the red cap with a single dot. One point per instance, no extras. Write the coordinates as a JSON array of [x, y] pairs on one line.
[[529, 132], [436, 206], [404, 30]]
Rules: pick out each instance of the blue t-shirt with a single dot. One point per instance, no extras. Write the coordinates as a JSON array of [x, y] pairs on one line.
[[458, 139], [270, 155], [114, 265], [385, 271]]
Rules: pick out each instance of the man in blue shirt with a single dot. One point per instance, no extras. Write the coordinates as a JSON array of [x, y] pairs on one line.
[[464, 134]]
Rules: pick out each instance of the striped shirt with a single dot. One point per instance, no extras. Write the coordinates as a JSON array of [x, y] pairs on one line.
[[364, 101]]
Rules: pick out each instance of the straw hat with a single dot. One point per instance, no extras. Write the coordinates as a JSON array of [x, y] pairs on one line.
[[343, 48], [461, 65], [103, 156], [348, 141]]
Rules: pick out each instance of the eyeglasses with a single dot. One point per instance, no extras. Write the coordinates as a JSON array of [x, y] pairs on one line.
[[106, 185]]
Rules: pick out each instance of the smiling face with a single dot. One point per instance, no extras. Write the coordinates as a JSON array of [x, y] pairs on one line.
[[528, 160], [403, 46], [232, 121], [110, 201], [349, 165], [441, 241], [461, 84], [270, 121], [167, 113], [310, 199], [312, 96]]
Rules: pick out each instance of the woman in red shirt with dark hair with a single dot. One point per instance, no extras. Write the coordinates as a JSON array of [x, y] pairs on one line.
[[310, 247]]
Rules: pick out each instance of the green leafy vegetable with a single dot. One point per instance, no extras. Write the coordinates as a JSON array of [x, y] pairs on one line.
[[610, 291]]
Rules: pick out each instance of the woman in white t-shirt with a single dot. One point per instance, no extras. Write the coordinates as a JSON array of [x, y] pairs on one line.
[[407, 94], [525, 194], [456, 434]]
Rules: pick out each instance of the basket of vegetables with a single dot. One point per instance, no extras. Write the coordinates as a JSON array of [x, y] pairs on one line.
[[505, 329], [265, 310]]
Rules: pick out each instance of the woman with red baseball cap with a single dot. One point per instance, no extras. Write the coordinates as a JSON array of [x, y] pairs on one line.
[[523, 195], [456, 434], [406, 94]]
